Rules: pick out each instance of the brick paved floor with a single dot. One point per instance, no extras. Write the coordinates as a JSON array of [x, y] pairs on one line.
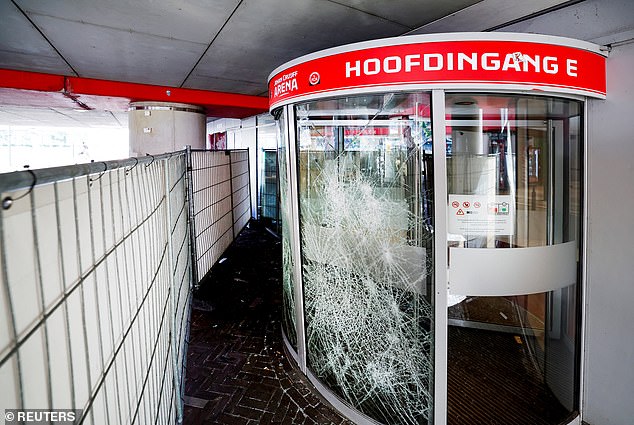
[[237, 372]]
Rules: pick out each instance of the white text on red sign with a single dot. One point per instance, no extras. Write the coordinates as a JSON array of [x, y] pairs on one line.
[[286, 83], [460, 62]]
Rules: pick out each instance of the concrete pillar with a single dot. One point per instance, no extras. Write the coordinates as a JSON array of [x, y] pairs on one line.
[[159, 127]]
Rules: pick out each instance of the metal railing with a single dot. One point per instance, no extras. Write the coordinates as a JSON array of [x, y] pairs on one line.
[[96, 278]]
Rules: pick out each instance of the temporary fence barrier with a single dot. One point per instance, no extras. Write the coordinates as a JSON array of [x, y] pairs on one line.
[[95, 278], [240, 188], [222, 203]]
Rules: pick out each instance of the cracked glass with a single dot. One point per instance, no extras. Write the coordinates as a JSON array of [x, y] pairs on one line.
[[288, 275], [366, 230]]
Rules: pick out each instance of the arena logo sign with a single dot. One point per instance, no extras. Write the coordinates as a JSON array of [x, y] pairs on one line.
[[285, 84], [491, 61]]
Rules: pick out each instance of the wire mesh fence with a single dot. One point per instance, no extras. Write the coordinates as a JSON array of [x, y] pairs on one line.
[[222, 203], [241, 190], [95, 277]]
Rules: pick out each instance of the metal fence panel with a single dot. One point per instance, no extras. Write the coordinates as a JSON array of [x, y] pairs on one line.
[[241, 190], [95, 296], [221, 204]]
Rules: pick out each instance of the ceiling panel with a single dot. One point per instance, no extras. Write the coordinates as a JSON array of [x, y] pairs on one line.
[[36, 99], [60, 117], [121, 118], [23, 47], [86, 118], [37, 116], [227, 84], [411, 13], [487, 14], [113, 54], [604, 26], [264, 34], [192, 20], [22, 118], [231, 45]]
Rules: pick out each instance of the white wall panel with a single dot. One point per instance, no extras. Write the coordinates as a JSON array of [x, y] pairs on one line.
[[609, 351]]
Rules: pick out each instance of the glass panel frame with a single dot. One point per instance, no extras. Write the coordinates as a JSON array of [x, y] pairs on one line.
[[352, 165], [548, 142], [289, 311], [576, 230]]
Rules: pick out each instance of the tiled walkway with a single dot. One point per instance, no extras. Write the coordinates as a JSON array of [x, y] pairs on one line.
[[237, 372]]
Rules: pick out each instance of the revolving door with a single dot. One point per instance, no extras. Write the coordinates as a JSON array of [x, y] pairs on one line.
[[433, 227]]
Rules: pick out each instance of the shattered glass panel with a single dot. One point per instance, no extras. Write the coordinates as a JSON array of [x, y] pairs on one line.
[[366, 240], [288, 291]]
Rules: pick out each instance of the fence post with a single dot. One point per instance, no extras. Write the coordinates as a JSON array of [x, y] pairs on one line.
[[189, 175], [233, 218], [249, 184], [278, 201]]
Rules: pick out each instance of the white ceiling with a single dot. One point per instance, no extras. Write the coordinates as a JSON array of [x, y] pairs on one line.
[[60, 117], [220, 45]]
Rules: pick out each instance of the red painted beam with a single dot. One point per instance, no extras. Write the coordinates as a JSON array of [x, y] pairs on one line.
[[89, 91], [145, 92], [31, 80]]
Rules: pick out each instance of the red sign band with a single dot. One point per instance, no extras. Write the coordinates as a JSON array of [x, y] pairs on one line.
[[468, 64]]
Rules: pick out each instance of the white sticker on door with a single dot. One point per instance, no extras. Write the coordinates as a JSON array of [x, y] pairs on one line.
[[481, 215]]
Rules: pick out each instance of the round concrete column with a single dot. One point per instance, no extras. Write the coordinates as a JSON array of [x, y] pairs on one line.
[[159, 127]]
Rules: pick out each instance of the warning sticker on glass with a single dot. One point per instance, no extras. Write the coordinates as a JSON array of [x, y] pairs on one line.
[[481, 215]]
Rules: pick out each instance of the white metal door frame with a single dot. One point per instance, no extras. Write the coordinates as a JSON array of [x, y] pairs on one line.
[[440, 256]]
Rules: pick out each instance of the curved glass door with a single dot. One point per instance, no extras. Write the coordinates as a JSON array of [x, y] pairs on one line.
[[514, 182], [289, 314], [357, 203], [366, 243]]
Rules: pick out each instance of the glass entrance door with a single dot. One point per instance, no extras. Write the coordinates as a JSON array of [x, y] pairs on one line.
[[514, 181], [364, 280], [366, 231]]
